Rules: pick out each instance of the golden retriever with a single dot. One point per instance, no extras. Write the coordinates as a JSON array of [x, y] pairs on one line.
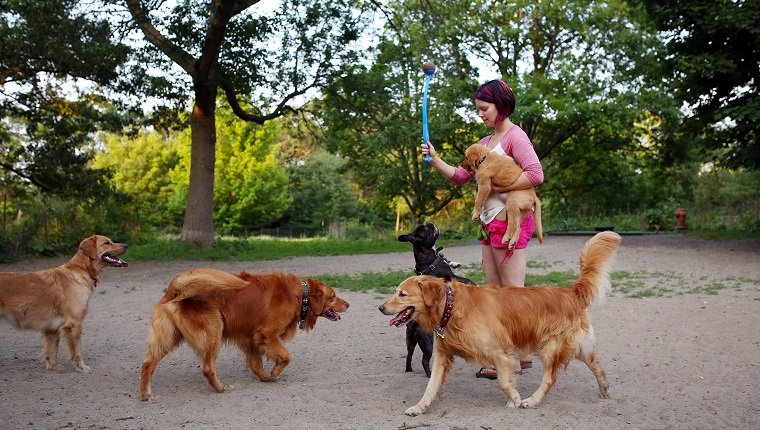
[[489, 325], [55, 301], [497, 169], [256, 312]]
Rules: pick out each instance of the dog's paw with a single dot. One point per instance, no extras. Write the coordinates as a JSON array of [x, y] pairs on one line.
[[53, 366], [475, 215], [414, 411], [512, 405], [226, 388], [83, 368], [148, 397], [529, 403]]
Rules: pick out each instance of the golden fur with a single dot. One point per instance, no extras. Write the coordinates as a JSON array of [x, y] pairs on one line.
[[207, 307], [55, 301], [490, 325], [493, 168]]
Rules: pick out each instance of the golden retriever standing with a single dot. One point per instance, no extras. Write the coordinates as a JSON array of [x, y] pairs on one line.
[[494, 168], [207, 307], [489, 325], [55, 301]]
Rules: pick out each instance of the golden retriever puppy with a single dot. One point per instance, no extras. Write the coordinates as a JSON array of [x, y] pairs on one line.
[[208, 307], [489, 325], [493, 168], [55, 301]]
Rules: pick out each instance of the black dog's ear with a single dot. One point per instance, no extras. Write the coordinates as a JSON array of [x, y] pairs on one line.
[[404, 238]]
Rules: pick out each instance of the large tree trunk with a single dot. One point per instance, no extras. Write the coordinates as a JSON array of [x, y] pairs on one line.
[[198, 226]]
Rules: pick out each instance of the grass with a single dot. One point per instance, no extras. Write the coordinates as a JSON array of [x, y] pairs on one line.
[[386, 283], [259, 248], [723, 234], [634, 285]]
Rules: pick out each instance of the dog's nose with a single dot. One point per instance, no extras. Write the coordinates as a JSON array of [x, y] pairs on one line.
[[382, 308]]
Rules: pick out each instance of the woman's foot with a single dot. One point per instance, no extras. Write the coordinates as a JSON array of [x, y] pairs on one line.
[[486, 372], [489, 373], [526, 361]]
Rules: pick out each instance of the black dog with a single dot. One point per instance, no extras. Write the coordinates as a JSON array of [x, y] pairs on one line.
[[428, 261]]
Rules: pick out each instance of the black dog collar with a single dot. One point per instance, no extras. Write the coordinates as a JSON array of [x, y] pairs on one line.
[[304, 304], [446, 311]]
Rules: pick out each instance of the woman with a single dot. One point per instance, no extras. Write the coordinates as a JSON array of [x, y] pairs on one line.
[[495, 102]]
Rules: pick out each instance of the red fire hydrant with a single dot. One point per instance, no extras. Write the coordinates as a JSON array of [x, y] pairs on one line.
[[680, 215]]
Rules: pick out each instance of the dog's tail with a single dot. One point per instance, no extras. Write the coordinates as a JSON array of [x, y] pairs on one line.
[[194, 282], [537, 220], [597, 256]]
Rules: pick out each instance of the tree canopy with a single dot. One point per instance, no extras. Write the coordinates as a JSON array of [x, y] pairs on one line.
[[711, 62], [55, 60]]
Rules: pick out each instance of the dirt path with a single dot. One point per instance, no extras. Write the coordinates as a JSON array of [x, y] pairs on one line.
[[686, 358]]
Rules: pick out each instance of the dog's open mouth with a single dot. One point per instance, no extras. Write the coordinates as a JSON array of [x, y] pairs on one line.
[[402, 317], [114, 261], [331, 315]]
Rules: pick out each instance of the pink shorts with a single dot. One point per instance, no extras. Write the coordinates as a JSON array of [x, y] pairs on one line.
[[497, 228]]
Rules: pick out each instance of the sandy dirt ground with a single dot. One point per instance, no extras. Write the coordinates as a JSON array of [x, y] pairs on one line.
[[686, 358]]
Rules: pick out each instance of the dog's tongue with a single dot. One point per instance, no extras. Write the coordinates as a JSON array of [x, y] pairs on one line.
[[332, 315], [401, 317]]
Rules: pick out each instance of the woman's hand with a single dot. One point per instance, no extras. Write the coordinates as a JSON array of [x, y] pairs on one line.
[[428, 150]]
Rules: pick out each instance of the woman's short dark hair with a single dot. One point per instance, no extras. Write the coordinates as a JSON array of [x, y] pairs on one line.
[[498, 93]]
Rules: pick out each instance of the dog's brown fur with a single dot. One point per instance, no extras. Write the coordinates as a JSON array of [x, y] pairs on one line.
[[493, 168], [207, 307], [55, 301], [488, 325]]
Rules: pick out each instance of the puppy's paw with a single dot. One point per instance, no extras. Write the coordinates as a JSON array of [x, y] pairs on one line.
[[414, 410]]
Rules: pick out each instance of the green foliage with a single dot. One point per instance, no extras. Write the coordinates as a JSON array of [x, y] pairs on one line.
[[251, 188], [321, 194]]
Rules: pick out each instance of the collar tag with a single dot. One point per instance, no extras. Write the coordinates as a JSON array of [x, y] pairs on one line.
[[304, 305]]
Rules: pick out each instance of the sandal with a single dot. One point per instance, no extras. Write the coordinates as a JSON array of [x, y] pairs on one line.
[[486, 373], [489, 373]]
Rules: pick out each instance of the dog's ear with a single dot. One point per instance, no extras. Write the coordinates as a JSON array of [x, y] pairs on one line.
[[432, 290], [404, 238], [89, 247]]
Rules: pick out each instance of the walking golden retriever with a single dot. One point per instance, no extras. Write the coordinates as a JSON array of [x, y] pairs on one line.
[[489, 325], [493, 168], [208, 307], [55, 301]]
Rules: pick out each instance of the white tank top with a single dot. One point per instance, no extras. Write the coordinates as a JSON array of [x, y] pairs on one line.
[[494, 204]]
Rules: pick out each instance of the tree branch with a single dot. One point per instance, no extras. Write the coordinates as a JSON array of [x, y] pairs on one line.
[[174, 52]]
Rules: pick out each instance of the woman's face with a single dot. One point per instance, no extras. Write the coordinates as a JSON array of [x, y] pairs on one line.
[[487, 112]]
